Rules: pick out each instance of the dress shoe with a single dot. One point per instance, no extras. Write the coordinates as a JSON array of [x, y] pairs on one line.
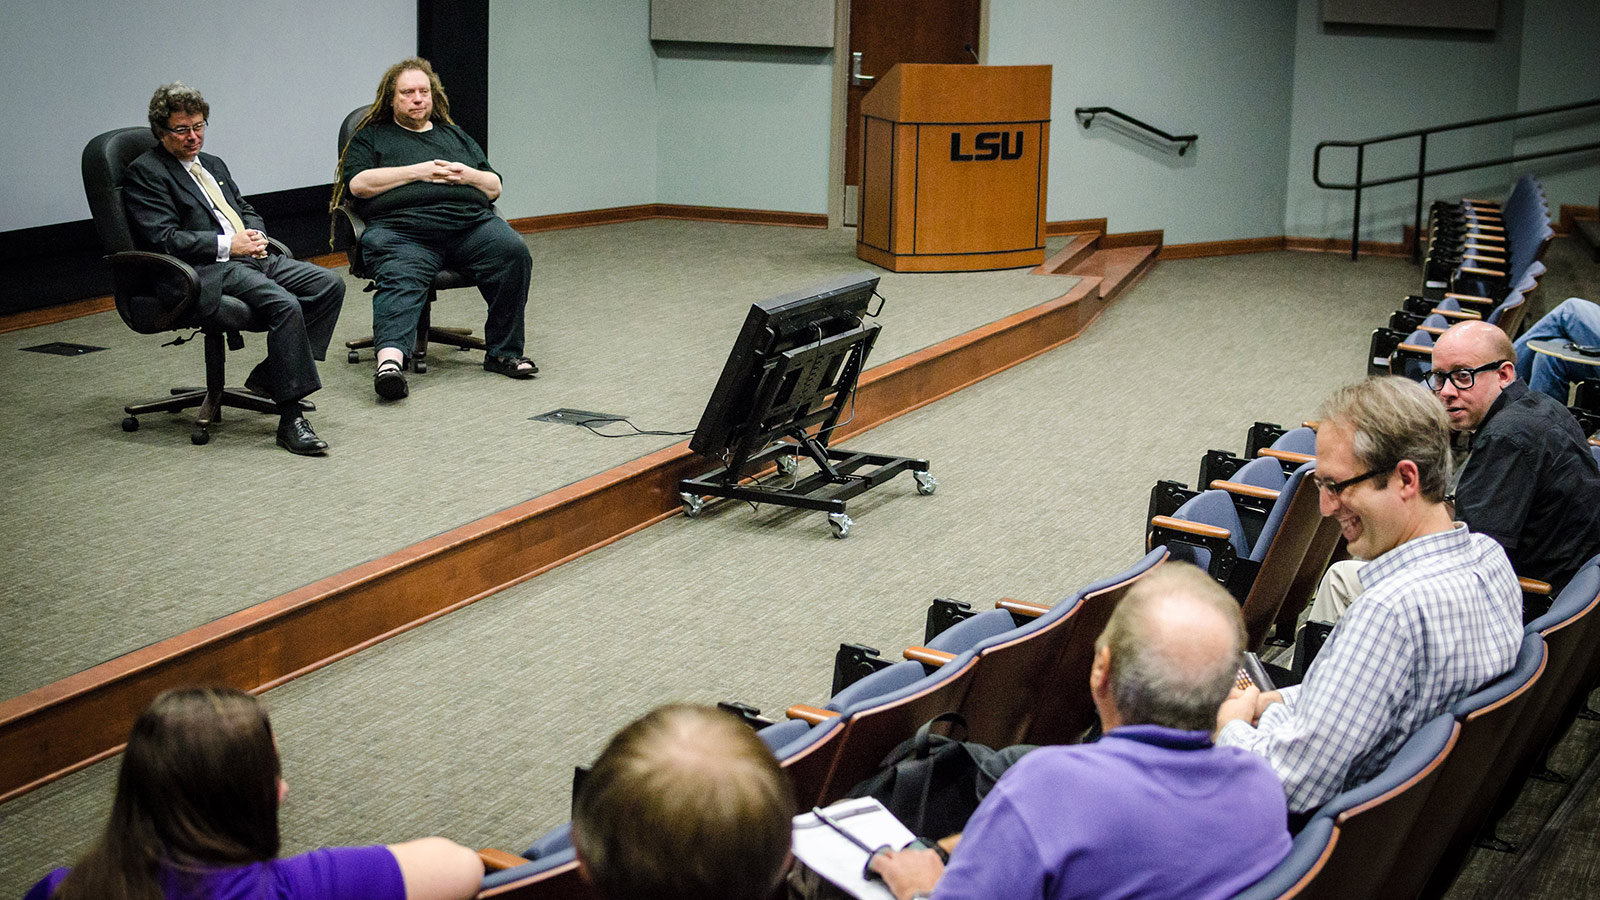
[[295, 435]]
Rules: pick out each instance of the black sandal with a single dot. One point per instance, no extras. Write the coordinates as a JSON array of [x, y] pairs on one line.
[[510, 366], [389, 381]]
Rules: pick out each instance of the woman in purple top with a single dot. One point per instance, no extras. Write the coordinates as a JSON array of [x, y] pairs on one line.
[[196, 816]]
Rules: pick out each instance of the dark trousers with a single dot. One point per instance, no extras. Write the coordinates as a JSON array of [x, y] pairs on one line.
[[402, 265], [299, 304]]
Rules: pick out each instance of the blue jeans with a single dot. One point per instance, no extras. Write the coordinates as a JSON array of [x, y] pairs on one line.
[[1575, 320]]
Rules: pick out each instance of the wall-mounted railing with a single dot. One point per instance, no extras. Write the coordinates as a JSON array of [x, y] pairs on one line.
[[1086, 114], [1423, 173]]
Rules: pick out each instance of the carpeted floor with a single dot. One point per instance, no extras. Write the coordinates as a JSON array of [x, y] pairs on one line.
[[470, 725]]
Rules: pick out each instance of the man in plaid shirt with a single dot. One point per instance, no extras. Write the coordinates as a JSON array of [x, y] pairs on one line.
[[1440, 613]]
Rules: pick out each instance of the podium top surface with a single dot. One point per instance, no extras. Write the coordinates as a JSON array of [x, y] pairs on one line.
[[929, 92]]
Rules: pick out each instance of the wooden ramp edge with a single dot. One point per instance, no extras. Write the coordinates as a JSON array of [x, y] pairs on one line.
[[82, 719]]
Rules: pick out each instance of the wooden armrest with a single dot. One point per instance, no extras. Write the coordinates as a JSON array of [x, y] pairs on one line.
[[928, 656], [1245, 490], [1493, 273], [499, 860], [1486, 227], [1414, 348], [1457, 314], [1488, 237], [1481, 248], [1022, 608], [1311, 424], [1187, 527], [1474, 299], [949, 844], [1499, 260], [1534, 586], [1594, 442], [1474, 201], [1431, 329], [812, 714], [1285, 455]]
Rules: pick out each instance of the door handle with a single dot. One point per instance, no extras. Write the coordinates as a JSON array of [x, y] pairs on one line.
[[856, 78]]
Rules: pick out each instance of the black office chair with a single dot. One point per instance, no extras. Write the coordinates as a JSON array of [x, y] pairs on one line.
[[347, 229], [155, 292]]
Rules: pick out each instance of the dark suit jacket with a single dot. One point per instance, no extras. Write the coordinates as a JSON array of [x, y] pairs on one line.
[[168, 213]]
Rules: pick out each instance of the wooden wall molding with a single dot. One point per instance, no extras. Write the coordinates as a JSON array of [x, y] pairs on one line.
[[1342, 245], [1567, 223], [1075, 226], [72, 723], [49, 315], [1222, 248]]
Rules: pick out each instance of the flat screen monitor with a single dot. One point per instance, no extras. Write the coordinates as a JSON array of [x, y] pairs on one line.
[[827, 315]]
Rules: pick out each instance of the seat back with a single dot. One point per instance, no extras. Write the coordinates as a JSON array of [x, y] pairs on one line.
[[1211, 507], [538, 882], [1032, 684], [1291, 528], [105, 158], [344, 238], [874, 727], [1471, 778], [1313, 847], [1371, 822]]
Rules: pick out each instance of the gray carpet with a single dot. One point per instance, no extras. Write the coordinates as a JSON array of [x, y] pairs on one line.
[[470, 725], [118, 540]]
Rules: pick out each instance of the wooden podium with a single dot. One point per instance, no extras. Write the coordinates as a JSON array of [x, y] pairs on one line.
[[953, 165]]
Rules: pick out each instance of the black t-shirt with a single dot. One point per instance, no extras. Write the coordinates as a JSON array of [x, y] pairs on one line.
[[1532, 485], [419, 206]]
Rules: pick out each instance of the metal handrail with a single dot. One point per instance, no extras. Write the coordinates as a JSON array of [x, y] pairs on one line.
[[1184, 141], [1423, 173]]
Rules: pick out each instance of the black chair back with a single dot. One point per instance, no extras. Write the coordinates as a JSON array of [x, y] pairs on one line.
[[344, 237], [105, 158]]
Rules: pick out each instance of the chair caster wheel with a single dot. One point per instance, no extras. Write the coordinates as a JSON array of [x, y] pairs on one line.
[[199, 436], [926, 483], [419, 367], [840, 523], [130, 424], [352, 357], [692, 505], [787, 465]]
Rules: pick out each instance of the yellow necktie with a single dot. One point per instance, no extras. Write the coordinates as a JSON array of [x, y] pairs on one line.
[[217, 200]]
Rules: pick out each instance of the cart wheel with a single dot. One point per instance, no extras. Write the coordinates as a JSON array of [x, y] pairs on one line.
[[692, 505], [130, 424], [926, 483], [841, 525]]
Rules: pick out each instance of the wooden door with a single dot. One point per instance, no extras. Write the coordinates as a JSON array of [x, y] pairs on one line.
[[886, 32]]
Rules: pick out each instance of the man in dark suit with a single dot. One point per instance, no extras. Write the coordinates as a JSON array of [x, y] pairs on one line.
[[184, 203]]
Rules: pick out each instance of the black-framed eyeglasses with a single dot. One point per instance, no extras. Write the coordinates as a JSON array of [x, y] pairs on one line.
[[184, 130], [1463, 379], [1335, 488]]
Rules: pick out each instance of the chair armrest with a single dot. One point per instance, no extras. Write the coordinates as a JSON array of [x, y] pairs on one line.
[[1474, 299], [1493, 273], [499, 860], [1461, 315], [1311, 424], [348, 227], [1494, 260], [156, 266], [1429, 329], [1534, 586], [1246, 490], [1286, 456], [1022, 608], [1481, 227], [812, 714], [279, 247], [1195, 528], [1413, 348], [1480, 236], [928, 656]]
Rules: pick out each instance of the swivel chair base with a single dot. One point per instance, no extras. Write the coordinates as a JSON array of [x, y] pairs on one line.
[[210, 400]]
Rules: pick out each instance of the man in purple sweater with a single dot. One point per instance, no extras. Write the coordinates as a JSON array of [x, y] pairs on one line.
[[1141, 812]]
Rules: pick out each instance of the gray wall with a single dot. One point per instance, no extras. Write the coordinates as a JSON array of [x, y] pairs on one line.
[[1559, 41], [1351, 84], [1218, 68], [573, 104]]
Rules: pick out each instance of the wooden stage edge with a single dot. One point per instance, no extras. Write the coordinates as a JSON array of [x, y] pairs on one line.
[[72, 723]]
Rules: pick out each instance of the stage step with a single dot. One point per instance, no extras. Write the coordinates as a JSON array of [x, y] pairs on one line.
[[1117, 266]]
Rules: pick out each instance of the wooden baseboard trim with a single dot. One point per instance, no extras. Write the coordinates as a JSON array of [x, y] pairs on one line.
[[1221, 248], [1075, 226], [1567, 223], [1132, 239], [52, 314], [1342, 245], [84, 718], [741, 216], [584, 218]]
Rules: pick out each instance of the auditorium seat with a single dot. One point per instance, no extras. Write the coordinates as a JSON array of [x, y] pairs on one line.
[[1348, 848]]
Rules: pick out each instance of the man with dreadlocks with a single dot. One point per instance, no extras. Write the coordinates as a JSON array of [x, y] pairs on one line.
[[426, 190]]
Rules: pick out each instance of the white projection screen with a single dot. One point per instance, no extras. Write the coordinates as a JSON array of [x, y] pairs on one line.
[[279, 77]]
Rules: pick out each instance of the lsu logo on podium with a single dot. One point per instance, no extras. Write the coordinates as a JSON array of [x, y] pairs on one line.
[[987, 145]]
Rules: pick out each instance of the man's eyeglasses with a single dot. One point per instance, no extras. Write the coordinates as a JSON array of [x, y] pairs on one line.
[[1335, 488], [1463, 379], [184, 130]]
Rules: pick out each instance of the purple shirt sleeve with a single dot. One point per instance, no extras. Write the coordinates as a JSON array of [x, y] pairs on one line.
[[341, 873]]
